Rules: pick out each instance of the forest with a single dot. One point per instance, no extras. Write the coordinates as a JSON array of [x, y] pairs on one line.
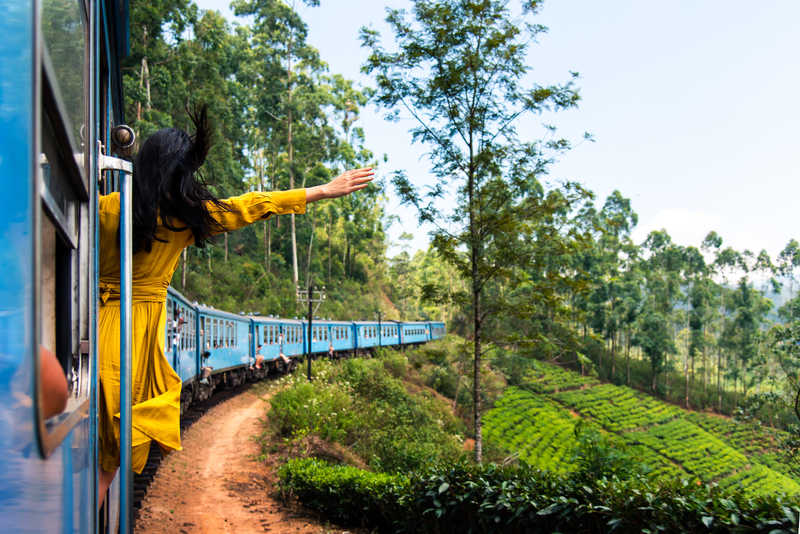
[[525, 267]]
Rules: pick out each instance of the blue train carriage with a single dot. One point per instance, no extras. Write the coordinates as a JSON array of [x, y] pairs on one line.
[[55, 75], [224, 354], [342, 336], [390, 334], [367, 335], [268, 333], [437, 330], [180, 341], [415, 333], [292, 340], [321, 341]]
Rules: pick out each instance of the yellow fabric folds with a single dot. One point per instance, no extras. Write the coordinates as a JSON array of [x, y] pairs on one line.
[[156, 387]]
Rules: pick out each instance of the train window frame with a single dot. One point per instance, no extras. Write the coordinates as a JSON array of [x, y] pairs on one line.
[[61, 216]]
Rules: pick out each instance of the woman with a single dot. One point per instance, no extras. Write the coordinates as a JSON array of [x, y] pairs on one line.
[[171, 210]]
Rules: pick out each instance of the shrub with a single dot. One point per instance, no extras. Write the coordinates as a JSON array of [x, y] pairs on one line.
[[314, 408], [488, 498], [345, 494]]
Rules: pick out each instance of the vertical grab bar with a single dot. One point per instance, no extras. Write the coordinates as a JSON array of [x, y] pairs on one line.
[[125, 360], [108, 163]]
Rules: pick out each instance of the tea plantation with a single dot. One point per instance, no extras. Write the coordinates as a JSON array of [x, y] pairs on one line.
[[537, 421]]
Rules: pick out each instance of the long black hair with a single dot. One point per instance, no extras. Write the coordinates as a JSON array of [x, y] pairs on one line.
[[165, 185]]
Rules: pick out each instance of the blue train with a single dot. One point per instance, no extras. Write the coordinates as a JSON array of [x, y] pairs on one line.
[[209, 348], [63, 143]]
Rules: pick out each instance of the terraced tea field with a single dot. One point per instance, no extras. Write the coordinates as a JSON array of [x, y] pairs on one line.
[[538, 423]]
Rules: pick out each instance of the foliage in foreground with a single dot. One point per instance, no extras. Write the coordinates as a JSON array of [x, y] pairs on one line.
[[361, 404], [490, 498]]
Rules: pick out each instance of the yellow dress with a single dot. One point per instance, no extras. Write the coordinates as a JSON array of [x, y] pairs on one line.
[[156, 388]]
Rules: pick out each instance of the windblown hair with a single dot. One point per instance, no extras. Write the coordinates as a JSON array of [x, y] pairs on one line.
[[165, 185]]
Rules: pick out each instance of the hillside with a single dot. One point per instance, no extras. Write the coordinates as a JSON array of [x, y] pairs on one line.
[[538, 422]]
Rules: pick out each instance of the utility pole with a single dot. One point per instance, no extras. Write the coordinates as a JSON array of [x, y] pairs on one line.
[[310, 296], [380, 333]]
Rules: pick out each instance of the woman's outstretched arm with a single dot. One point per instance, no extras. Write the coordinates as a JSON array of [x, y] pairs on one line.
[[248, 208], [344, 184]]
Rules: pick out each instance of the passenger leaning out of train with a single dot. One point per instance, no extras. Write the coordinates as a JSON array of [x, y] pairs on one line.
[[172, 209], [259, 357]]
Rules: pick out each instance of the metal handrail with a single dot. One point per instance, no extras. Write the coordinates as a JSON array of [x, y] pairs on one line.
[[125, 168]]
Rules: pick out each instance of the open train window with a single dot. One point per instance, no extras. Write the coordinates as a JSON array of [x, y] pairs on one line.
[[63, 237]]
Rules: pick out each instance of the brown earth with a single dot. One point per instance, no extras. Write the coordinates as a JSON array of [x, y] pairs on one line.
[[217, 484]]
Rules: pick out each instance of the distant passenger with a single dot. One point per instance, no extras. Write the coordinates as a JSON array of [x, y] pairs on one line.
[[205, 369], [259, 357], [172, 209]]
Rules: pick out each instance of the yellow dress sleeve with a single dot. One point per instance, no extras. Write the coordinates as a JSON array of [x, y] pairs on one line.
[[251, 207]]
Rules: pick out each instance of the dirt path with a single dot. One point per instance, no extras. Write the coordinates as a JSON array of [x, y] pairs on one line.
[[215, 484]]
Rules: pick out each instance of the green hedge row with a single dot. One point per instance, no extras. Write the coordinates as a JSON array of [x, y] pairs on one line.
[[491, 498]]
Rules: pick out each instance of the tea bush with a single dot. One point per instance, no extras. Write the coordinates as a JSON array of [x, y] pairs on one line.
[[488, 498]]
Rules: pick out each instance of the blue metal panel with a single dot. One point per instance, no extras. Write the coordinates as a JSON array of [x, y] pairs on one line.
[[321, 335], [21, 470], [292, 337], [341, 335], [417, 332], [227, 349], [367, 334], [268, 336], [390, 335], [181, 339]]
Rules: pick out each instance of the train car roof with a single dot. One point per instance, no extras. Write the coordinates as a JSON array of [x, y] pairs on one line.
[[416, 322], [282, 320], [177, 294], [326, 321], [208, 310]]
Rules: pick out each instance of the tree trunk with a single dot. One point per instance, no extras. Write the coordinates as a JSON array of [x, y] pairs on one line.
[[330, 228], [476, 393], [226, 247], [719, 389], [267, 243], [144, 79], [628, 360], [183, 271], [291, 159], [308, 260], [613, 355]]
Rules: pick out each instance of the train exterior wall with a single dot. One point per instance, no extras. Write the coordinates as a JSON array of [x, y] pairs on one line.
[[181, 336], [226, 340]]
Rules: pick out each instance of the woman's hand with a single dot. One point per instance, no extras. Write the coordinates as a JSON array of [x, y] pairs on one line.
[[344, 184]]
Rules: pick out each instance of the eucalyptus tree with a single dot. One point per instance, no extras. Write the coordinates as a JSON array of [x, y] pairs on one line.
[[664, 266], [285, 84], [788, 263], [699, 298], [458, 71], [655, 339]]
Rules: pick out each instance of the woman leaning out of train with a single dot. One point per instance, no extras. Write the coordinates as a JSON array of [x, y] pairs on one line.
[[172, 209]]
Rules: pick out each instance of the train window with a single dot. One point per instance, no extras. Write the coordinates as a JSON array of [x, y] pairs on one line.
[[62, 236], [64, 30]]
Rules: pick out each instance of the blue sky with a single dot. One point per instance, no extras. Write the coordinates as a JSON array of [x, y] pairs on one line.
[[693, 105]]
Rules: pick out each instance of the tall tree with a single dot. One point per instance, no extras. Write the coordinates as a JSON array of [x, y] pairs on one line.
[[458, 70]]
